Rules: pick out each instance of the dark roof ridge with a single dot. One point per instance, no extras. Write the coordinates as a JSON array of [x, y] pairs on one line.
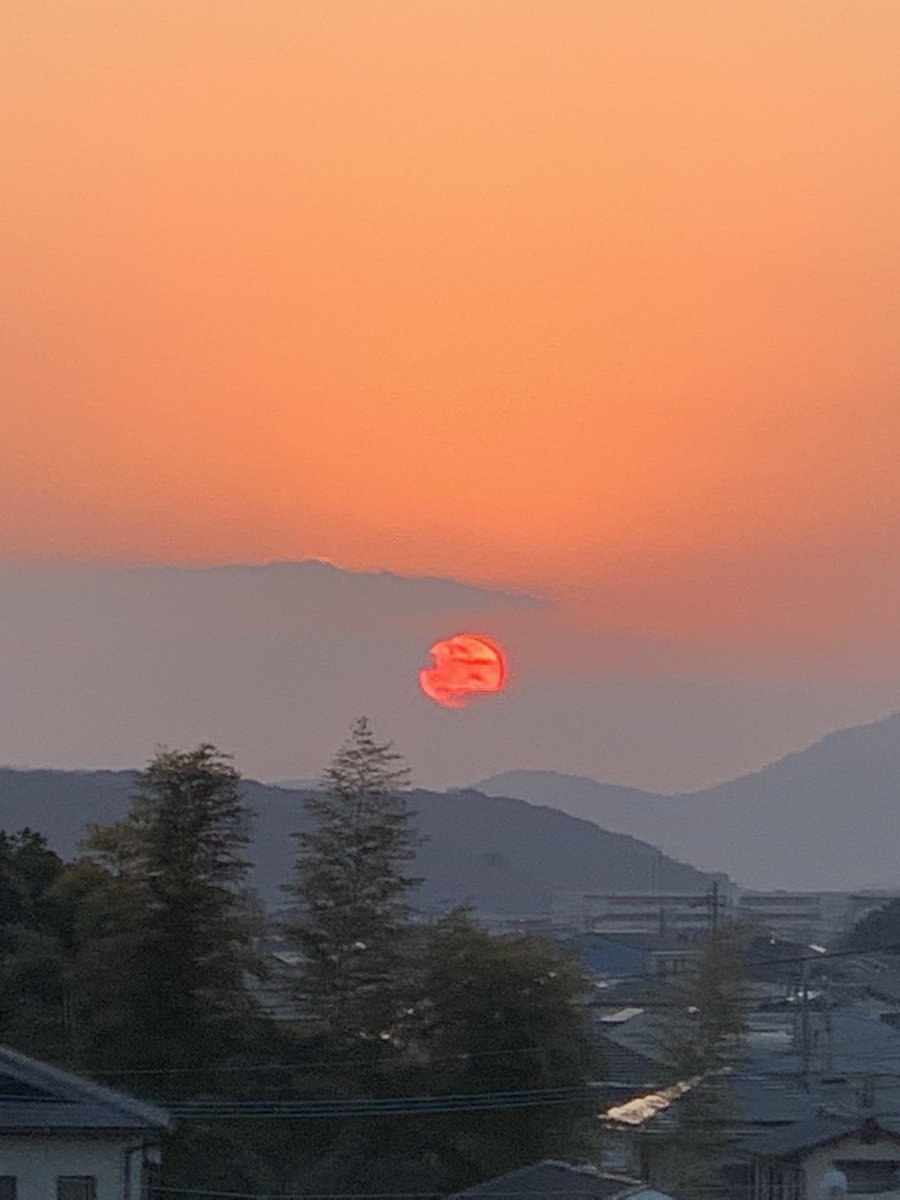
[[585, 1167], [623, 1185], [41, 1074]]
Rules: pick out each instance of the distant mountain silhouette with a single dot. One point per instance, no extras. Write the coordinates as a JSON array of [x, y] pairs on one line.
[[501, 855], [824, 817]]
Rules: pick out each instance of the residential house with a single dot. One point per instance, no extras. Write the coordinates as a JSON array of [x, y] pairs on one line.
[[791, 1163], [561, 1180], [65, 1138], [636, 991], [814, 1089]]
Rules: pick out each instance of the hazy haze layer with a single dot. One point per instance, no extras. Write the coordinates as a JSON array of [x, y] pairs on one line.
[[272, 663]]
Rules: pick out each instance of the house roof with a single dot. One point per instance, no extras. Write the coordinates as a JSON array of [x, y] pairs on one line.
[[643, 1032], [561, 1179], [807, 1135], [770, 1100], [624, 1064], [637, 990], [636, 941], [36, 1096]]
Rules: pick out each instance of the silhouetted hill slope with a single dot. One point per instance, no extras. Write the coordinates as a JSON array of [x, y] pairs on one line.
[[500, 854], [823, 817]]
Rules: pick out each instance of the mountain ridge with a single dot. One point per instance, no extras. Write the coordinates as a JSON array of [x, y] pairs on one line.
[[813, 819], [499, 854]]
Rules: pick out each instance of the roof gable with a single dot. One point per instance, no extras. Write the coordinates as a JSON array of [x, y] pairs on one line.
[[810, 1135], [556, 1179], [37, 1096]]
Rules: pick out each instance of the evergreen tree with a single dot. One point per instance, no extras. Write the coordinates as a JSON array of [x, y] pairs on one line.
[[352, 892], [170, 909]]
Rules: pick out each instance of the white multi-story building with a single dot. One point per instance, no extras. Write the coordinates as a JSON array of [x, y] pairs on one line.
[[813, 917], [663, 913], [809, 916]]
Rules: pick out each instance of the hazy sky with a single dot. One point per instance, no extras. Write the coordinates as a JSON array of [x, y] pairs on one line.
[[595, 298], [273, 663]]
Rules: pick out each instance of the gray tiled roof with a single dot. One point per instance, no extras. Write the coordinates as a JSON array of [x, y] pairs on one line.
[[551, 1178], [652, 942], [623, 1064], [644, 1033], [805, 1135], [641, 990], [37, 1096], [771, 1100]]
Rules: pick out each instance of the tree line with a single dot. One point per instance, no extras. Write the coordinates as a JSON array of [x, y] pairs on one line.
[[139, 963]]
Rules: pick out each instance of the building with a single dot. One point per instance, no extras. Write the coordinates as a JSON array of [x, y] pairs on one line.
[[815, 1088], [647, 954], [818, 917], [65, 1138], [809, 916], [793, 1163], [660, 913], [559, 1180], [786, 914]]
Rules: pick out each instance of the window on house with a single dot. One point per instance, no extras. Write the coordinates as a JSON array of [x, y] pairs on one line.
[[777, 1182], [76, 1187], [7, 1187], [870, 1177]]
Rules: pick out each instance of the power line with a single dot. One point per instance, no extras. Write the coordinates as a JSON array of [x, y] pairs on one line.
[[504, 1195], [822, 956], [181, 1191], [390, 1106], [305, 1066]]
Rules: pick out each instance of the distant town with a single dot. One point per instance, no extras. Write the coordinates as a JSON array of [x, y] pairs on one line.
[[358, 1028]]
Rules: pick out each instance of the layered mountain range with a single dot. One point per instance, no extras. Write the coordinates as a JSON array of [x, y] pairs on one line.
[[826, 817], [498, 854]]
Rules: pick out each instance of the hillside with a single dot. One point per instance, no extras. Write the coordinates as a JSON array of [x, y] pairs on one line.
[[500, 854], [823, 817]]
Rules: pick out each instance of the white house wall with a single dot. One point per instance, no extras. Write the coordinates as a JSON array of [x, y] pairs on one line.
[[37, 1161], [820, 1161]]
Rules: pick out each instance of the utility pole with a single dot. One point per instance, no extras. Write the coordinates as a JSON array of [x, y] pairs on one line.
[[804, 1024], [713, 902]]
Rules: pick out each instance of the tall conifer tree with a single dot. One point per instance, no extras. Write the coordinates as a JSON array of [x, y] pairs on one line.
[[352, 892], [174, 909]]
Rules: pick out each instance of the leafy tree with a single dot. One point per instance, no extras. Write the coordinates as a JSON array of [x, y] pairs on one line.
[[504, 1015], [34, 936], [508, 1012], [878, 930], [352, 892], [164, 936], [702, 1034], [28, 870], [489, 1015], [701, 1040]]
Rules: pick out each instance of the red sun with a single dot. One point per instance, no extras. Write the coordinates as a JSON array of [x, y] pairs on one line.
[[465, 665]]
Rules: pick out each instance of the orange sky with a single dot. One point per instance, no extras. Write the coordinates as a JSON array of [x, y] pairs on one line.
[[598, 296]]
